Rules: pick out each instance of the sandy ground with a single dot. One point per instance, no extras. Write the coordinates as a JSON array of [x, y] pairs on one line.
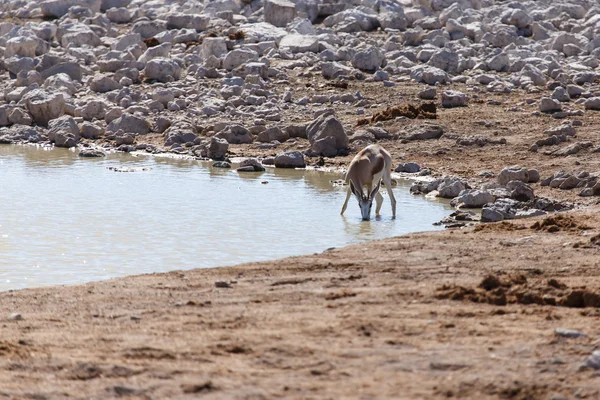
[[411, 317]]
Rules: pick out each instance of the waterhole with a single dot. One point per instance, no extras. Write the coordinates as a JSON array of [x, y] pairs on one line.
[[66, 219]]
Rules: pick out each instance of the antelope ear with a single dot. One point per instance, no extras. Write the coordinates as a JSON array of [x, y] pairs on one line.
[[374, 191]]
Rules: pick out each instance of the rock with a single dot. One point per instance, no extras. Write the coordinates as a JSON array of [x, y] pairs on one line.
[[429, 75], [520, 191], [534, 175], [272, 134], [279, 12], [59, 8], [160, 51], [104, 83], [592, 103], [548, 105], [532, 212], [500, 210], [237, 57], [428, 94], [119, 15], [290, 159], [217, 148], [162, 70], [252, 162], [248, 168], [235, 134], [569, 333], [44, 106], [332, 70], [473, 198], [514, 173], [490, 214], [410, 167], [568, 150], [327, 136], [445, 60], [296, 131], [15, 317], [89, 153], [129, 124], [569, 183], [63, 131], [74, 71], [181, 132], [454, 98], [299, 44], [368, 59], [22, 46], [221, 164], [564, 129], [450, 188], [424, 132], [593, 361], [124, 139], [91, 131], [560, 94]]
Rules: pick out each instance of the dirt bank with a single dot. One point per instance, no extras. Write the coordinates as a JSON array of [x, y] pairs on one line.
[[404, 317]]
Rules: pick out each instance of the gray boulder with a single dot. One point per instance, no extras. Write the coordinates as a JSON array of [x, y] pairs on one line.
[[279, 12], [454, 98], [63, 131], [548, 105], [104, 83], [290, 159], [44, 106], [520, 191], [217, 149], [162, 70], [514, 173], [327, 136], [271, 134], [129, 124], [235, 134], [473, 198], [450, 187], [368, 59], [410, 167]]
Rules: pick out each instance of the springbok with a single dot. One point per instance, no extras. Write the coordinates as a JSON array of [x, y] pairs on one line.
[[370, 165]]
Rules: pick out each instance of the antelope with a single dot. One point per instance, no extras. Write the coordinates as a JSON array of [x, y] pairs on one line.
[[368, 167]]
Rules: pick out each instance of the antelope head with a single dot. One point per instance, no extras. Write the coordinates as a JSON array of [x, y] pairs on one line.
[[365, 202]]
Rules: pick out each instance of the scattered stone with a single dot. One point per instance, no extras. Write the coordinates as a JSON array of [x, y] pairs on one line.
[[410, 167], [15, 317], [251, 162], [514, 173], [290, 159], [520, 191], [548, 105], [423, 132], [473, 198], [454, 98], [569, 333], [327, 136], [91, 153]]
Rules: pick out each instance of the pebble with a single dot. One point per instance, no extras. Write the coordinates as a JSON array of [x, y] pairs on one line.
[[569, 333]]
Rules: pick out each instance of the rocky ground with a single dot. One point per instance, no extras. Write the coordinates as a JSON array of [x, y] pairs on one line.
[[494, 103], [463, 89]]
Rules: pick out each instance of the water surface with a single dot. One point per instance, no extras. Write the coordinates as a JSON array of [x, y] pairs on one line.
[[65, 219]]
